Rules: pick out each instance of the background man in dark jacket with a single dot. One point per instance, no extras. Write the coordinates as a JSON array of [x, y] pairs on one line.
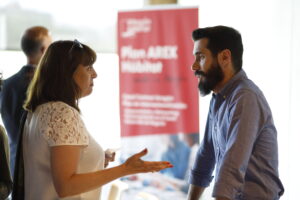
[[34, 43]]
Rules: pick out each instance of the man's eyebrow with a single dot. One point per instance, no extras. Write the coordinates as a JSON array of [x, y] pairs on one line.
[[198, 53]]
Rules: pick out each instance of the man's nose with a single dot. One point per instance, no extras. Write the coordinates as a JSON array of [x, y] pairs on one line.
[[195, 66]]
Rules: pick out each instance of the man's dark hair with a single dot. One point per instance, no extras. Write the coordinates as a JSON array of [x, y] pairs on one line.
[[32, 40], [221, 38]]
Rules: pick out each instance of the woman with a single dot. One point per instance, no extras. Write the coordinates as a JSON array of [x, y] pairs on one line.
[[61, 159]]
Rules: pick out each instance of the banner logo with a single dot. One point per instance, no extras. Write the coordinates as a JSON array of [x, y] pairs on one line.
[[133, 26]]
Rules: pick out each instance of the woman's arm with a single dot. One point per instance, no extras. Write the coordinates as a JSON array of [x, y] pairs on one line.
[[64, 161]]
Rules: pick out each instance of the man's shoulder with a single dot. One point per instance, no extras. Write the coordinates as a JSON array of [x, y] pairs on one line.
[[238, 85], [246, 86], [17, 77], [14, 76], [11, 82], [247, 89]]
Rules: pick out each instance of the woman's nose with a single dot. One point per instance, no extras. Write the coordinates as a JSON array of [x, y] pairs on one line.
[[94, 74]]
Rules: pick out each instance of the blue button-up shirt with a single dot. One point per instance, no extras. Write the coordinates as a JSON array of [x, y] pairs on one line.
[[241, 142]]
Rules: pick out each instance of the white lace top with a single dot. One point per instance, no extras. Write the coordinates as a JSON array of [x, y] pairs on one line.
[[55, 124]]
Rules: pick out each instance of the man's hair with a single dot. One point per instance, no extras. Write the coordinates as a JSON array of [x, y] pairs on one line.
[[32, 40], [53, 79], [221, 38]]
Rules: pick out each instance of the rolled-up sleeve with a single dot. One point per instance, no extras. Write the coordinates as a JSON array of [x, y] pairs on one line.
[[201, 173]]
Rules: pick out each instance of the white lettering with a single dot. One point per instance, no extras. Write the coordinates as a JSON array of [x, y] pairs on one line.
[[151, 109], [129, 52], [153, 52], [162, 52], [141, 67], [147, 97]]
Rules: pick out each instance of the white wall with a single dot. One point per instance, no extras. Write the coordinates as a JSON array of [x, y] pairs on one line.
[[293, 136], [271, 36]]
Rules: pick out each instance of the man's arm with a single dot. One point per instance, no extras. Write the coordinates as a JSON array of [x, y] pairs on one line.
[[204, 164], [195, 192]]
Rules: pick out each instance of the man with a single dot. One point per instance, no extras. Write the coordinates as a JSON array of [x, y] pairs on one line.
[[240, 140], [34, 43]]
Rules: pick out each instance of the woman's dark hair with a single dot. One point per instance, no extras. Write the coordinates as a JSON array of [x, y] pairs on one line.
[[221, 38], [53, 79]]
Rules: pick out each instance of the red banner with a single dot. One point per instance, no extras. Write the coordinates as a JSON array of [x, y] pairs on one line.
[[158, 91]]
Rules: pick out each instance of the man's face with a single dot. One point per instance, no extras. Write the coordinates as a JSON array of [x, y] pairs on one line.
[[206, 67]]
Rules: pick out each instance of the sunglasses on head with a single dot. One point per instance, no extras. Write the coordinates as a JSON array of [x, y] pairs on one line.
[[76, 45]]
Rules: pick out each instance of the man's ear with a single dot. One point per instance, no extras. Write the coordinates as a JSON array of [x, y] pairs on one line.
[[43, 49], [224, 57]]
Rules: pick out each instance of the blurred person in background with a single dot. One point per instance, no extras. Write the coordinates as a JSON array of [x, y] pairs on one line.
[[177, 153], [61, 159], [34, 43], [192, 139], [5, 178]]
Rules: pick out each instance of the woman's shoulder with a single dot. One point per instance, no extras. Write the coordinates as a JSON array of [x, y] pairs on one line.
[[57, 109], [61, 124], [56, 106]]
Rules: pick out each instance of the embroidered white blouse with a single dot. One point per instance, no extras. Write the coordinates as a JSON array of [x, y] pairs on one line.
[[54, 124]]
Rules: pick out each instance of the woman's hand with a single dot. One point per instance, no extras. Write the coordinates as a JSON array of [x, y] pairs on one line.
[[134, 164]]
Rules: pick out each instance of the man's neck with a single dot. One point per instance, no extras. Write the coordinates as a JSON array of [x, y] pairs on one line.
[[33, 65], [33, 60], [227, 77]]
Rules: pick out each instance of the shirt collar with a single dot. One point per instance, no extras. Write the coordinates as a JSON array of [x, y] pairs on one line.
[[225, 91], [29, 66]]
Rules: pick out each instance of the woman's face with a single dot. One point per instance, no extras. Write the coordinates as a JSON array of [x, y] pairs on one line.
[[83, 77]]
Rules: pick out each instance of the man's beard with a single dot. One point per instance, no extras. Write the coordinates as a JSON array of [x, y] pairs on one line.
[[210, 79]]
